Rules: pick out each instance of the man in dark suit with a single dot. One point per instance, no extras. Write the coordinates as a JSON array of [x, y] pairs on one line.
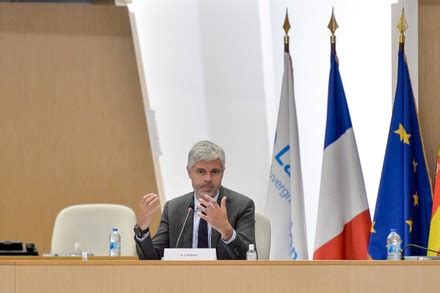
[[218, 217]]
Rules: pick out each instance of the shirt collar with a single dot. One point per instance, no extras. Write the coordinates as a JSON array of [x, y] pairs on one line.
[[196, 200]]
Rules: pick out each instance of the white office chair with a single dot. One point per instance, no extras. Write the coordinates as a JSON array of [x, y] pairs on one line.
[[91, 225], [262, 236]]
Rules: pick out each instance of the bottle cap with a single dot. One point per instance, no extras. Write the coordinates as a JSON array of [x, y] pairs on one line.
[[251, 246], [115, 229]]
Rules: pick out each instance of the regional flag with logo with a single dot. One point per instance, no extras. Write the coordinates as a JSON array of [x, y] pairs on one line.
[[434, 233], [343, 225], [285, 202], [404, 201]]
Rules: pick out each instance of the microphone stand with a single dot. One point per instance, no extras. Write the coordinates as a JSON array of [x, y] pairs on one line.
[[402, 257], [190, 209]]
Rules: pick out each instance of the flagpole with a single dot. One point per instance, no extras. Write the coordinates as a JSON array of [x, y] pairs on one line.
[[286, 27], [285, 195], [404, 200], [343, 223]]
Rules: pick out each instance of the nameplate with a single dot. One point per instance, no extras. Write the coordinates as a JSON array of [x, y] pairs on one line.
[[189, 254]]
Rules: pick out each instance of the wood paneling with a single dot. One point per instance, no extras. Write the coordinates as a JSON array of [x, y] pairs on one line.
[[46, 276], [429, 76], [394, 276], [7, 278], [192, 276], [72, 122]]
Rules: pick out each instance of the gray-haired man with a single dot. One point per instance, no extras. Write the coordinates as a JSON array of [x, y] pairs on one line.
[[218, 217]]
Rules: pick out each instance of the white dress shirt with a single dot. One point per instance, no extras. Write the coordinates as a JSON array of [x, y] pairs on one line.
[[197, 222]]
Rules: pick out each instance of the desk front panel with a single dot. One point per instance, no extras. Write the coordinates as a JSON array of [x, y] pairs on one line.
[[47, 275], [182, 277]]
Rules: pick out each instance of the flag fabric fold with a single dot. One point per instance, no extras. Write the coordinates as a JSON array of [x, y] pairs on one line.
[[434, 231], [404, 200], [343, 223], [285, 202]]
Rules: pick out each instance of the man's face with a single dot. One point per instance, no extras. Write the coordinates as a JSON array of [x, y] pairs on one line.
[[206, 177]]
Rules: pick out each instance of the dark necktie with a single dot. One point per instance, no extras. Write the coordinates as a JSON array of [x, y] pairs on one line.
[[202, 241]]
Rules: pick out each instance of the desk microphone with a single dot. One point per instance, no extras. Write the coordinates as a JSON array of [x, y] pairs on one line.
[[190, 209], [402, 257]]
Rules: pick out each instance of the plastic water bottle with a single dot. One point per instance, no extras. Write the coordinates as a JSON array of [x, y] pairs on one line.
[[115, 243], [394, 251], [76, 250], [251, 254]]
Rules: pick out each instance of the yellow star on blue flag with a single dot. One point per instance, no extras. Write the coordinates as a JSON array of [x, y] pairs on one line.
[[404, 136]]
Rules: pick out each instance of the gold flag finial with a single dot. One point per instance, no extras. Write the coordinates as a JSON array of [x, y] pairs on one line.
[[286, 27], [332, 26], [402, 26]]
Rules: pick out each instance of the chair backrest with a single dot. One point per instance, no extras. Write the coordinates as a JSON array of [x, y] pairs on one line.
[[262, 236], [91, 225]]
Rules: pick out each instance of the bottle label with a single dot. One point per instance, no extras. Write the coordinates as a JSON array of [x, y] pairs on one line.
[[393, 248], [251, 255], [115, 245]]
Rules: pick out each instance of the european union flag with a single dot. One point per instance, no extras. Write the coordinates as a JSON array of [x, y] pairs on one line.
[[404, 200]]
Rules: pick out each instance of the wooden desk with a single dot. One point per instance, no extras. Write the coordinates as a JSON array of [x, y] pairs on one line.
[[48, 275]]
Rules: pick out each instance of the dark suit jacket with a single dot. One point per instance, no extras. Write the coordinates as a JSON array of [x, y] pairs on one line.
[[241, 216]]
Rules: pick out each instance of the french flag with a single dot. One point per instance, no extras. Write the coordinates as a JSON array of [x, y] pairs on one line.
[[344, 223]]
